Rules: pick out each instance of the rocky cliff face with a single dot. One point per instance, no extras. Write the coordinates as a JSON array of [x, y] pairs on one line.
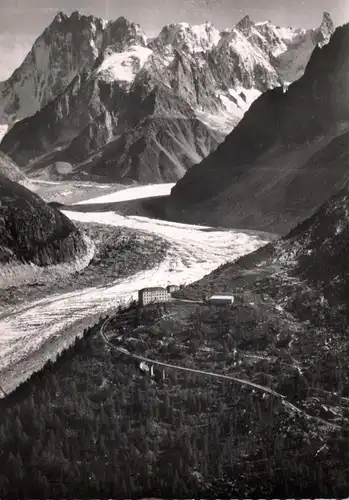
[[94, 102], [260, 177], [159, 148], [34, 236]]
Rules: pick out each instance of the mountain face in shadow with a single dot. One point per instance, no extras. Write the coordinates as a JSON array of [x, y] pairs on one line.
[[284, 159]]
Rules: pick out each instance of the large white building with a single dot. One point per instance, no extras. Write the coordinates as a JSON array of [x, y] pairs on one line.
[[155, 294], [152, 295]]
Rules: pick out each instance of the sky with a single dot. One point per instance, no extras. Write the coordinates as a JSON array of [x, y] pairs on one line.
[[22, 21]]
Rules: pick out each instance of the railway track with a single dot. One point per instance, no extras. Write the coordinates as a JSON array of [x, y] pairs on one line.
[[242, 382]]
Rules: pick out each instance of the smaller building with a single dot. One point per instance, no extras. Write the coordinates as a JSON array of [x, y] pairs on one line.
[[172, 288], [221, 300], [152, 295]]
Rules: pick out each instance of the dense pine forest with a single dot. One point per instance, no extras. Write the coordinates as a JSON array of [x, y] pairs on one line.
[[93, 425]]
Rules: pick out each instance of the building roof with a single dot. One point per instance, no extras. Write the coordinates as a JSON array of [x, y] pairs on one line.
[[220, 297], [153, 289]]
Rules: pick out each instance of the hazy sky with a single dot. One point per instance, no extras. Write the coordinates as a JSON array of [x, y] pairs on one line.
[[22, 21]]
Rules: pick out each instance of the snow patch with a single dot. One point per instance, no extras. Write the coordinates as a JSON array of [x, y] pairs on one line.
[[94, 48], [3, 131], [289, 34], [223, 122], [236, 103], [242, 99], [123, 66], [134, 193], [232, 106], [251, 94]]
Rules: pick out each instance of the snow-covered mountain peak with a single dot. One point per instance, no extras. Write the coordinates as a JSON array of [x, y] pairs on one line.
[[281, 38], [262, 23], [293, 53], [89, 80], [189, 38], [124, 54]]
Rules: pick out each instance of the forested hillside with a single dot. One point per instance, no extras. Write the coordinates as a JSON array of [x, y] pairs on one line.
[[92, 425]]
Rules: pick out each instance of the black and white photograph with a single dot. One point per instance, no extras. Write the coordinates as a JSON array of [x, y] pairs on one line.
[[174, 249]]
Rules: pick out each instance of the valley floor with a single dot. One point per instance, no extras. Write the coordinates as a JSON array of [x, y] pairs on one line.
[[35, 330], [70, 191]]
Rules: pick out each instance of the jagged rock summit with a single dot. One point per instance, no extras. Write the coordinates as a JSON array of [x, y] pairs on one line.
[[70, 45], [188, 38]]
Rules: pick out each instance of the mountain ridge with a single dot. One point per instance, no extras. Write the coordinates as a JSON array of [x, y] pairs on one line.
[[218, 74]]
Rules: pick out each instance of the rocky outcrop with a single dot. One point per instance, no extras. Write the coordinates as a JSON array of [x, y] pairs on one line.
[[161, 150], [34, 236], [283, 160]]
